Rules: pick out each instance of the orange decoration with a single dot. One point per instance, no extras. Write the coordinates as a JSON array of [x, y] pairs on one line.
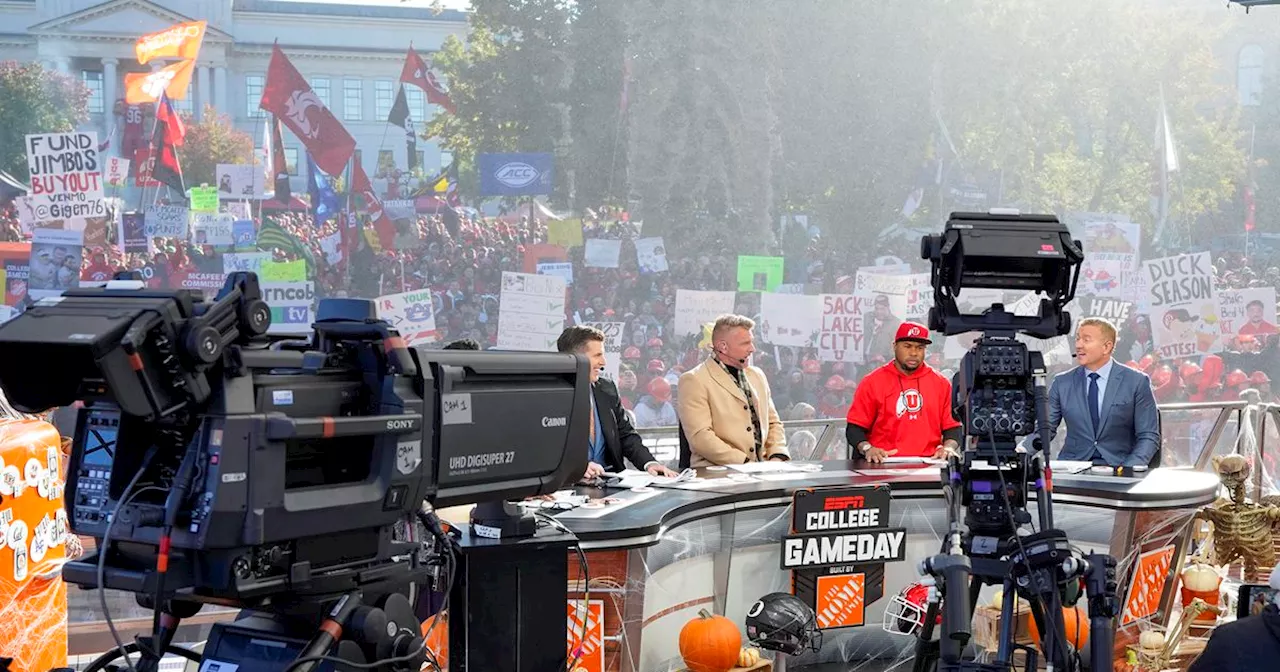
[[1075, 621], [710, 643], [33, 538], [438, 641]]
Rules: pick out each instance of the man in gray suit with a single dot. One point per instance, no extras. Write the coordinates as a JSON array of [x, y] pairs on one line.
[[1109, 409]]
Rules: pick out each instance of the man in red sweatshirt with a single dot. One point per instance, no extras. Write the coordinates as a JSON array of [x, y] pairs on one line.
[[904, 407]]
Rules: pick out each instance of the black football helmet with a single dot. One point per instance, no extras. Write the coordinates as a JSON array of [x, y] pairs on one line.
[[783, 622]]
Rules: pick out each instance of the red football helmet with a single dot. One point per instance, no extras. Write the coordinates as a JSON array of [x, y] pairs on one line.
[[904, 615]]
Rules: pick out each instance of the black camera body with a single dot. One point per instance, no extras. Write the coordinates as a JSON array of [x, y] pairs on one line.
[[257, 471], [1000, 395]]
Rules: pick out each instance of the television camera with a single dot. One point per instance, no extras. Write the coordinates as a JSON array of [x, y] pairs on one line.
[[287, 478], [999, 396]]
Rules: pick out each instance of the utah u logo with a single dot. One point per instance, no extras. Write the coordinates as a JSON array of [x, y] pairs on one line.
[[910, 402]]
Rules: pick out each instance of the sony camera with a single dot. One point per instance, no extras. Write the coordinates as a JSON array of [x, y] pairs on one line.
[[259, 467]]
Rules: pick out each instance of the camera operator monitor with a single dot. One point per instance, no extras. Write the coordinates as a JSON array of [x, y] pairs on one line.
[[1006, 250]]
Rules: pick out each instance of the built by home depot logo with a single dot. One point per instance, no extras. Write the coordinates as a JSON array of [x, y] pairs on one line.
[[839, 542]]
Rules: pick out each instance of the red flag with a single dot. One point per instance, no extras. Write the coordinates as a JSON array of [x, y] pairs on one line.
[[417, 73], [382, 224], [288, 96], [168, 136], [1250, 208]]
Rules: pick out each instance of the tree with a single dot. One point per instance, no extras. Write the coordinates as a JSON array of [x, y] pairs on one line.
[[705, 137], [1070, 121], [1265, 139], [34, 99], [507, 83], [598, 49], [211, 141]]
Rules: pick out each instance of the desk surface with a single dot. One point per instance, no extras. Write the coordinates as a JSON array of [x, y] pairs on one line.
[[643, 523]]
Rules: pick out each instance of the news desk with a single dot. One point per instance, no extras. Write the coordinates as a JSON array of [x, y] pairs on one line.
[[655, 562]]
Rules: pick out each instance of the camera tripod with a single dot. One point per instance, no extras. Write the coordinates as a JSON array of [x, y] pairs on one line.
[[1041, 567]]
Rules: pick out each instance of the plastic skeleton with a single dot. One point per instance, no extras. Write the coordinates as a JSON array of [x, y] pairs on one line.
[[1241, 529], [1156, 660]]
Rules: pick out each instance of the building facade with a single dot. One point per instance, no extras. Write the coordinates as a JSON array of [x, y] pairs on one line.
[[352, 55]]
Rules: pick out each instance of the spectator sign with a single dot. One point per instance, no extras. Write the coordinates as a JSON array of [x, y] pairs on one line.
[[1184, 305], [412, 314], [531, 311], [66, 176]]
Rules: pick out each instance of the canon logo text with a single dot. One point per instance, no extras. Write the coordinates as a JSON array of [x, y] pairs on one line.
[[554, 422]]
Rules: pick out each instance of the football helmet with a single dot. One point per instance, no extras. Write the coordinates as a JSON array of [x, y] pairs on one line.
[[904, 615], [783, 622]]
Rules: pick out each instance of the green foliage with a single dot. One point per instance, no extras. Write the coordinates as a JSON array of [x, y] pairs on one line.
[[34, 99], [507, 84], [1072, 120], [211, 141], [739, 112]]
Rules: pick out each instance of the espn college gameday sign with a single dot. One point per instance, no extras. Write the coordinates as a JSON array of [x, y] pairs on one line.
[[837, 548]]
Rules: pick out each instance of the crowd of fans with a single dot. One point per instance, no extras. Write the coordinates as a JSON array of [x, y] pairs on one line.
[[462, 263]]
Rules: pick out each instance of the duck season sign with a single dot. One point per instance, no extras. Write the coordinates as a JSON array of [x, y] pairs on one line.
[[837, 548]]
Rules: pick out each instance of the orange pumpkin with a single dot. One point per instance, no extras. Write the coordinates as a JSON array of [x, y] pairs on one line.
[[1075, 621], [710, 643], [438, 641]]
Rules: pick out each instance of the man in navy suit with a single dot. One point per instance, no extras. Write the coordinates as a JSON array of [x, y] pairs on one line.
[[1109, 409]]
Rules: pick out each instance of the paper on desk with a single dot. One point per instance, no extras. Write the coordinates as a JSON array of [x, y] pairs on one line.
[[913, 460], [1070, 466], [769, 467], [704, 483], [788, 476]]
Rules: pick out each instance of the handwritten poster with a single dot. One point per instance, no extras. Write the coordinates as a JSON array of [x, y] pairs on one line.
[[651, 255], [695, 308], [412, 314], [840, 339], [1184, 305], [1111, 246], [166, 221], [612, 346], [66, 176], [531, 311], [790, 319], [1247, 312]]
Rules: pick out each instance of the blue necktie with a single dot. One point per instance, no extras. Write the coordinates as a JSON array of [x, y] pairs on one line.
[[1093, 401]]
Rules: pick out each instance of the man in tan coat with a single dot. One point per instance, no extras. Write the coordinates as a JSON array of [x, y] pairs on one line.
[[726, 411]]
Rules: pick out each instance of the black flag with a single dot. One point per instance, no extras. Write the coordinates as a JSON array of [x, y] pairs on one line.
[[168, 136], [399, 116]]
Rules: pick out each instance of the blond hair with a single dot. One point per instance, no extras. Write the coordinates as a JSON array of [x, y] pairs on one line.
[[1108, 329], [727, 322]]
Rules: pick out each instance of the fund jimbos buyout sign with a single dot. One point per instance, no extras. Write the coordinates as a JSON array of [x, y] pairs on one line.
[[837, 548], [66, 176]]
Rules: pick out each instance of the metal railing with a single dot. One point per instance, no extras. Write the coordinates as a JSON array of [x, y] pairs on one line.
[[1191, 434]]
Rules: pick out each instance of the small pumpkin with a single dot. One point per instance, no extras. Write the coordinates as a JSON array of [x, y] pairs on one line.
[[1201, 578], [749, 656], [710, 643], [1151, 641], [1075, 621], [438, 642]]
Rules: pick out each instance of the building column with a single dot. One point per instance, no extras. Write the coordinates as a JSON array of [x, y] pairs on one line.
[[202, 85], [109, 79], [221, 97]]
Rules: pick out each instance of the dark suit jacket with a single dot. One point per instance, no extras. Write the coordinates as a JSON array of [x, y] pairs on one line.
[[620, 439], [1130, 431]]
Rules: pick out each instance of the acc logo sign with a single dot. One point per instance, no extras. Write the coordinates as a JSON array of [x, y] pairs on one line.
[[516, 174]]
